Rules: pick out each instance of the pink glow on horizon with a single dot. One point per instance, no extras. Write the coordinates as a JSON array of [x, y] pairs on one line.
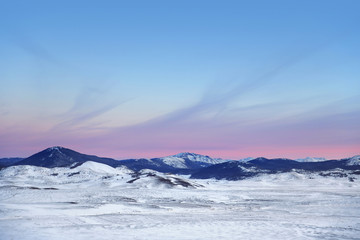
[[147, 144], [331, 137], [292, 153]]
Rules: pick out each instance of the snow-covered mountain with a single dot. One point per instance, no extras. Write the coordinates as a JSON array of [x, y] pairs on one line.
[[354, 161], [246, 159], [196, 165], [184, 163], [236, 170], [311, 159], [62, 157], [196, 158]]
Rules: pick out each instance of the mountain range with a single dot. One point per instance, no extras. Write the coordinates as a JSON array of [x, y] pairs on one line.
[[196, 165]]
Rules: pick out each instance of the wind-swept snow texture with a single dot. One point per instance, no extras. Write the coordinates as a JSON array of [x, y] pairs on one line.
[[96, 201]]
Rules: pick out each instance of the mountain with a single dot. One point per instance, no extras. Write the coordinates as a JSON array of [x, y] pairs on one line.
[[232, 170], [235, 170], [6, 162], [310, 159], [354, 161], [202, 160], [246, 159], [277, 164], [184, 163], [63, 157], [196, 165]]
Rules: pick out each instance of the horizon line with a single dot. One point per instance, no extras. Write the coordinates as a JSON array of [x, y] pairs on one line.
[[235, 159]]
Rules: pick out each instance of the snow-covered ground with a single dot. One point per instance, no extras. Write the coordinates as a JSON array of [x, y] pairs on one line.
[[94, 201]]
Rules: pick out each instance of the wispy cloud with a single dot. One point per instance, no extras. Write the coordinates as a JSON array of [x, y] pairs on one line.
[[216, 99], [79, 118], [188, 128], [32, 47], [88, 105]]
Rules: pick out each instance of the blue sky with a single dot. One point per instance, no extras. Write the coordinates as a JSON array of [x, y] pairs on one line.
[[151, 78]]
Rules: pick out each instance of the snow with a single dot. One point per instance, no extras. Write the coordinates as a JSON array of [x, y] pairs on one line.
[[246, 159], [199, 158], [311, 159], [355, 160], [97, 202], [175, 162], [179, 160], [96, 167], [56, 148]]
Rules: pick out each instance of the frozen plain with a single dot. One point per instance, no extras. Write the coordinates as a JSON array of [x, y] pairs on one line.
[[94, 201]]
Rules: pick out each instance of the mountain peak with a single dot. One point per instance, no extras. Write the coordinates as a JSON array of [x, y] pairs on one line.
[[58, 156], [55, 148], [194, 157], [188, 154]]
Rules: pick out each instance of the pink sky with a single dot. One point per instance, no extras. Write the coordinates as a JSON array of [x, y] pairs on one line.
[[230, 80]]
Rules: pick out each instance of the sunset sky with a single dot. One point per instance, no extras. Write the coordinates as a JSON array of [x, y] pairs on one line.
[[229, 79]]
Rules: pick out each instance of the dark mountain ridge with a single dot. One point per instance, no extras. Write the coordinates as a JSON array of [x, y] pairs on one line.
[[63, 157], [234, 170], [6, 162], [198, 166]]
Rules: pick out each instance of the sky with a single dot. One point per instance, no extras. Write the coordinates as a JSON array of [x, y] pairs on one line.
[[230, 79]]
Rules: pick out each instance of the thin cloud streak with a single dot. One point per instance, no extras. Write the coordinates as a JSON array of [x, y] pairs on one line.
[[32, 47], [183, 129], [89, 104], [83, 118], [212, 101]]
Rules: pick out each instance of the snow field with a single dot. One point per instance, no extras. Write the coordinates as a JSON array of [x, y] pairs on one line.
[[98, 203]]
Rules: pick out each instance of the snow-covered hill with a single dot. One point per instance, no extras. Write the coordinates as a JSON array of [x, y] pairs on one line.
[[96, 201], [92, 173], [87, 172]]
